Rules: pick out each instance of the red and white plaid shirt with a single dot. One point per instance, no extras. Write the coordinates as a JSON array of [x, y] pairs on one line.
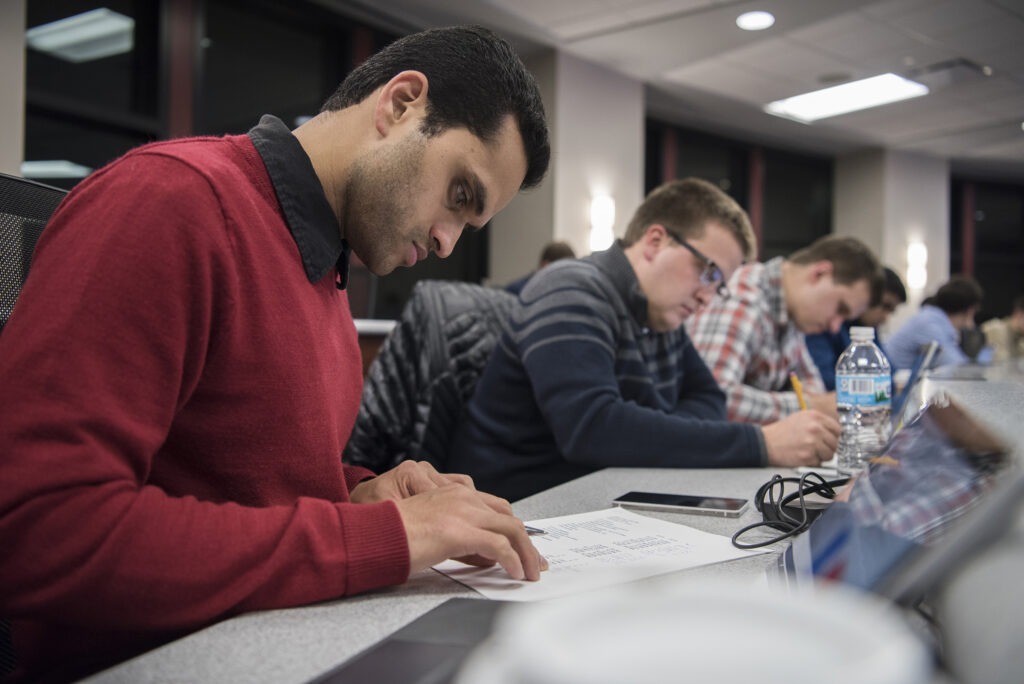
[[751, 346]]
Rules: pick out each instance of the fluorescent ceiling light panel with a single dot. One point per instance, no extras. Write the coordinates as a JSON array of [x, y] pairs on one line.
[[91, 35], [848, 97], [53, 168], [755, 21]]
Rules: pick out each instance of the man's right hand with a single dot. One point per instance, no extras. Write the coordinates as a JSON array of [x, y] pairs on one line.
[[825, 403], [455, 521], [805, 438]]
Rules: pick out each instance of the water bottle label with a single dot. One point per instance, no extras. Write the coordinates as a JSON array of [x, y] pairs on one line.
[[863, 390]]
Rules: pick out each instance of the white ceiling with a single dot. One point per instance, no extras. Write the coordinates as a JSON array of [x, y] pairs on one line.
[[701, 70]]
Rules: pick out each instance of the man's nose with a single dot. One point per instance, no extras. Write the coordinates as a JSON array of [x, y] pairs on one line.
[[444, 237]]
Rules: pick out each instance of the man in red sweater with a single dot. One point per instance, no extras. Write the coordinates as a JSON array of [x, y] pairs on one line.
[[181, 372]]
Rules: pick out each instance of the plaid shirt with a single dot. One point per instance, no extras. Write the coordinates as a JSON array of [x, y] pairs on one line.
[[751, 346]]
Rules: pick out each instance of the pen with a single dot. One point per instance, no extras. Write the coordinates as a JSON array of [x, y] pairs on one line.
[[533, 530], [798, 387]]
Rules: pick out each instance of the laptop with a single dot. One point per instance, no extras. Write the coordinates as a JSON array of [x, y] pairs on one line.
[[897, 538], [922, 363], [429, 650]]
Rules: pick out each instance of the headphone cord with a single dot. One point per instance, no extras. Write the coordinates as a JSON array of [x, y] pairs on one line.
[[776, 516]]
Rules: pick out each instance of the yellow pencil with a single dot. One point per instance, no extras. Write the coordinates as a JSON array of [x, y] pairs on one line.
[[798, 387]]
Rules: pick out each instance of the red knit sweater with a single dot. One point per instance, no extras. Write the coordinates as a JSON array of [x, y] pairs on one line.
[[176, 395]]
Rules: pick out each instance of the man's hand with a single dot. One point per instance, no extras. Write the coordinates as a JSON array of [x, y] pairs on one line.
[[456, 521], [824, 403], [804, 438], [407, 479]]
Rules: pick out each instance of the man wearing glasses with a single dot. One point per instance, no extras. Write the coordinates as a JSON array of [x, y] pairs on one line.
[[595, 370], [754, 340]]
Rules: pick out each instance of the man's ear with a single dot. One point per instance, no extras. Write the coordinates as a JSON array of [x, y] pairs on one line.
[[654, 239], [820, 269], [402, 98]]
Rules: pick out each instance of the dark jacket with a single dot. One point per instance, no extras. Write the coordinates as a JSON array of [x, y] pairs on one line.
[[425, 372]]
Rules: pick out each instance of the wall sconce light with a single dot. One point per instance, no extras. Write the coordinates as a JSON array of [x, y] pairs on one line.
[[917, 265], [602, 218]]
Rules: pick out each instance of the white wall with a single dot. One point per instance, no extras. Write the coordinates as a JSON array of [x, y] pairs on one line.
[[596, 122], [12, 85], [889, 199], [600, 118], [519, 232]]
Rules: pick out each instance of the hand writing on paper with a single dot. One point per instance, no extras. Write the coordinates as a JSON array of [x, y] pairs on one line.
[[825, 403], [803, 439]]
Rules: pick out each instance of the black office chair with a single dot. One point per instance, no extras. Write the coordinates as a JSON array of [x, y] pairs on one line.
[[425, 372], [25, 207]]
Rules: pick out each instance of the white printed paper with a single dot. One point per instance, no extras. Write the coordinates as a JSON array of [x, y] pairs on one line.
[[591, 550]]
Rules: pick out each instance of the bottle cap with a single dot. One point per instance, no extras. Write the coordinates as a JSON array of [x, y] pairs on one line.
[[862, 332]]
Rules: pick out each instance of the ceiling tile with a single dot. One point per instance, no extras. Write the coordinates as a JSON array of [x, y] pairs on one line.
[[732, 80], [719, 77], [942, 17]]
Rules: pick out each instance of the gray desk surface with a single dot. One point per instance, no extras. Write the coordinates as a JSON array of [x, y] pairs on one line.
[[298, 644]]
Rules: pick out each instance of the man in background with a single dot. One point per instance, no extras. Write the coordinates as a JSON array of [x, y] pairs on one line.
[[753, 340], [595, 369], [181, 372], [552, 252], [825, 348], [941, 318], [1005, 336]]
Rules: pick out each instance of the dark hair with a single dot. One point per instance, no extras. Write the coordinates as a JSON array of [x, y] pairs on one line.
[[686, 205], [476, 80], [958, 294], [893, 284], [1018, 303], [851, 260], [553, 251]]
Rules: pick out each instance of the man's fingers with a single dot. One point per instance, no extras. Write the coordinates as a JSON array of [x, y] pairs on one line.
[[458, 478], [496, 503]]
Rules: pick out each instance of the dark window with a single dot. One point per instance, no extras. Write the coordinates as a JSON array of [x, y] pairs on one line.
[[797, 202], [997, 225], [795, 190], [716, 160], [267, 58], [88, 101]]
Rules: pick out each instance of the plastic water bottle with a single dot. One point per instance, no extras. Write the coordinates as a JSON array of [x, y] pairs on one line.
[[864, 400]]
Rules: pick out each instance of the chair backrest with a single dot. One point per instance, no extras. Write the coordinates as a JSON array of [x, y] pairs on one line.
[[25, 207], [425, 372]]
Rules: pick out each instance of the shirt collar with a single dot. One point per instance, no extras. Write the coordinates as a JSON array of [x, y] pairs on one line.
[[776, 295], [615, 264], [309, 216]]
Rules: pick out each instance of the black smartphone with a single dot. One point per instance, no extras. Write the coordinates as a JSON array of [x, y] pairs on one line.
[[684, 503]]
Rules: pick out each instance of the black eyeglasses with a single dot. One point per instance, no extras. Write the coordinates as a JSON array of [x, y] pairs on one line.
[[712, 274]]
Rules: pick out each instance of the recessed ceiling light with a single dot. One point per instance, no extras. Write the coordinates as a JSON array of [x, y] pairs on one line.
[[755, 21], [848, 97]]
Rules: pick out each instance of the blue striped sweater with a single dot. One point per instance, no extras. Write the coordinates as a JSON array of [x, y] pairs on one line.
[[578, 382]]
